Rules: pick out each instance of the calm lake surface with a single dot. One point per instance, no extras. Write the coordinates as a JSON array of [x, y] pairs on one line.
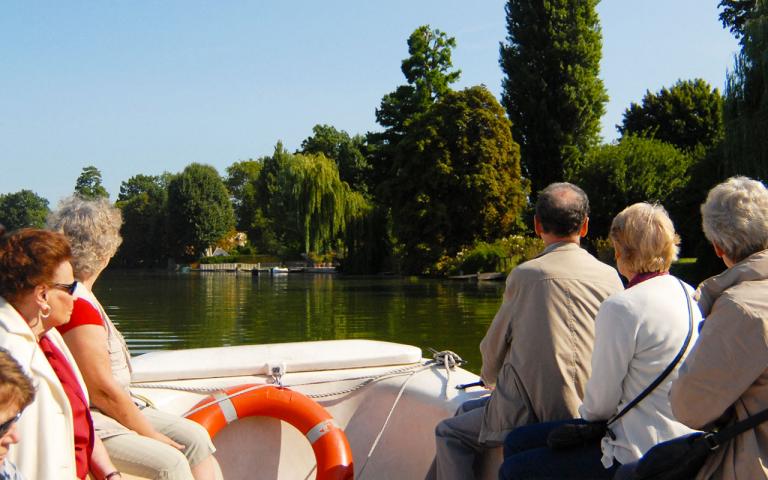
[[161, 310]]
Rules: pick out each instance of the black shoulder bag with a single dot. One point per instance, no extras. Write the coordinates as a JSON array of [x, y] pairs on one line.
[[682, 458], [576, 434]]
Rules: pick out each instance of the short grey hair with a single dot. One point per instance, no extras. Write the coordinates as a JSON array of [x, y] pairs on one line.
[[562, 208], [92, 228], [735, 217]]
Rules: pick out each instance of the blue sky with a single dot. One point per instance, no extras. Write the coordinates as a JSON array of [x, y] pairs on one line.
[[151, 86]]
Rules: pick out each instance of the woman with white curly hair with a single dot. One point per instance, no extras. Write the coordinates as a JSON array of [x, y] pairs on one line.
[[725, 378], [140, 440]]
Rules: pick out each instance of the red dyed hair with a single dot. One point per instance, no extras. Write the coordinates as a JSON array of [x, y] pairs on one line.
[[28, 257]]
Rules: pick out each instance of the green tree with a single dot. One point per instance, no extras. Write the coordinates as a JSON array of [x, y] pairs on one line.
[[688, 115], [551, 87], [89, 185], [735, 14], [23, 209], [428, 71], [636, 169], [306, 204], [457, 178], [745, 148], [199, 210], [322, 202], [242, 182], [143, 200], [346, 151]]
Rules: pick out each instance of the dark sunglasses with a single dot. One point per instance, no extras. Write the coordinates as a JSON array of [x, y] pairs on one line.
[[8, 424], [67, 287]]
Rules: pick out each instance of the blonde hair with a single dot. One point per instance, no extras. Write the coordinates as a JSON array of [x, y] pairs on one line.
[[16, 388], [644, 237], [735, 217], [92, 228]]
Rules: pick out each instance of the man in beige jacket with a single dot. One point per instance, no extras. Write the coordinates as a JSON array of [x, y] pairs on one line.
[[536, 353], [725, 377]]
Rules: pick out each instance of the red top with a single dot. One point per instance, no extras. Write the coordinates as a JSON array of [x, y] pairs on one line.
[[81, 416], [641, 277], [83, 313]]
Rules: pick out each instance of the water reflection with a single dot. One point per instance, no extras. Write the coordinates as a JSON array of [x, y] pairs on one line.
[[158, 310]]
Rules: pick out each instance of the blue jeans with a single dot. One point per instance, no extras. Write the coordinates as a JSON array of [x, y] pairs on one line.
[[526, 456]]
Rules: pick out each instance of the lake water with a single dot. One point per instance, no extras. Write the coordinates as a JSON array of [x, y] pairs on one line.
[[161, 310]]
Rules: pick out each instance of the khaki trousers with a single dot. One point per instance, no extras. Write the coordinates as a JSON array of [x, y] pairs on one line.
[[457, 447], [144, 457]]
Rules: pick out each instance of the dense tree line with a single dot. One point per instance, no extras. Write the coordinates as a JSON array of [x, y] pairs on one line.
[[452, 170]]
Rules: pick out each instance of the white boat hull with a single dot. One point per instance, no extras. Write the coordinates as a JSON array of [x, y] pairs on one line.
[[260, 447]]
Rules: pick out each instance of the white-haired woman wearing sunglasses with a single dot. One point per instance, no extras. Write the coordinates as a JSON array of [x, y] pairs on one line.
[[141, 441]]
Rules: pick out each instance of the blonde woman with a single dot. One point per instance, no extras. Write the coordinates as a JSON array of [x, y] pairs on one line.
[[638, 332]]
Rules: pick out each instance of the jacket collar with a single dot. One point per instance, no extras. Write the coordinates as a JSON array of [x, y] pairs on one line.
[[754, 267], [559, 246], [12, 321]]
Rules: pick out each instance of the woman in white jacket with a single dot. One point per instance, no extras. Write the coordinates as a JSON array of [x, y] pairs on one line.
[[36, 286], [638, 332]]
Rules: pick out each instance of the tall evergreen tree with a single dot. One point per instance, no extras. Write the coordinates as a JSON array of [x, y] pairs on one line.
[[736, 13], [428, 70], [745, 147], [551, 90], [89, 185]]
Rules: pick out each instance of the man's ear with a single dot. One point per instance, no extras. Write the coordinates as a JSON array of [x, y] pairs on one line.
[[718, 251], [584, 228], [537, 228]]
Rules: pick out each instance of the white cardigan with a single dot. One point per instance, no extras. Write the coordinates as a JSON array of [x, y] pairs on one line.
[[637, 334], [46, 449]]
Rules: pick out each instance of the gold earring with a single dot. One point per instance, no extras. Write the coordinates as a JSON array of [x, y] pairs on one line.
[[45, 310]]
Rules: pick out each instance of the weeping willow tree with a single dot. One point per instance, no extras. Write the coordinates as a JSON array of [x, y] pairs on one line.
[[745, 148], [308, 206], [323, 203]]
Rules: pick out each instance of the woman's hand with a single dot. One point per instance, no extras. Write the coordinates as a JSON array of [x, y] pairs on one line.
[[168, 441]]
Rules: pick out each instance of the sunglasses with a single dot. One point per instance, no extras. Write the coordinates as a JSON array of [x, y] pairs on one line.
[[4, 427], [67, 287]]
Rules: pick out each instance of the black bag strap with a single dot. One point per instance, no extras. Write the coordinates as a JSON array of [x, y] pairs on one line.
[[715, 439], [669, 368]]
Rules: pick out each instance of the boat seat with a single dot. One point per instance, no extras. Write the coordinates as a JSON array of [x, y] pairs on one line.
[[242, 360]]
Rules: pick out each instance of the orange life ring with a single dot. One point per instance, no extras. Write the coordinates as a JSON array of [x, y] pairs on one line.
[[332, 451]]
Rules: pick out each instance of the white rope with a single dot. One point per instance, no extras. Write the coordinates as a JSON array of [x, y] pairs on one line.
[[449, 360], [180, 388], [384, 426]]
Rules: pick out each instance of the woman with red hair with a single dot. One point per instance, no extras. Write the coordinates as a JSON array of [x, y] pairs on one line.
[[36, 287]]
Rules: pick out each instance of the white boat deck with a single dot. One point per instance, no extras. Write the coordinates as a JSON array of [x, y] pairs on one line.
[[261, 447]]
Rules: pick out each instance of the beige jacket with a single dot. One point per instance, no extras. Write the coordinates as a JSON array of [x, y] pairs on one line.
[[537, 350], [46, 450], [728, 367]]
